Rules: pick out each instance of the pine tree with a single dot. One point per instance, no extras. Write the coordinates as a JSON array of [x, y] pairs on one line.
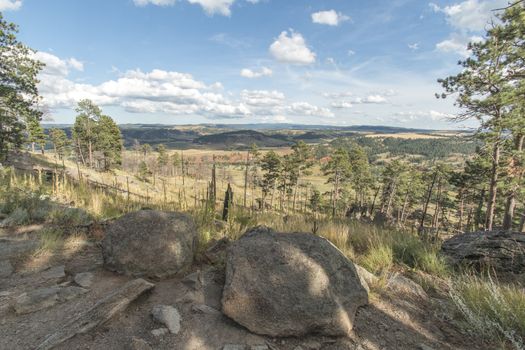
[[60, 143], [36, 134], [338, 170], [108, 141], [18, 88]]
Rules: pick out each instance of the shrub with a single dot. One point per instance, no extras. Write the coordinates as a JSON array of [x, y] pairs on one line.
[[491, 310], [69, 217], [19, 216], [51, 239]]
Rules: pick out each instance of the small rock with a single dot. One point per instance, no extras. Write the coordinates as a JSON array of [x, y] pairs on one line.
[[193, 280], [84, 279], [6, 269], [403, 285], [159, 332], [139, 344], [70, 292], [205, 309], [167, 315], [57, 272], [36, 300], [233, 347]]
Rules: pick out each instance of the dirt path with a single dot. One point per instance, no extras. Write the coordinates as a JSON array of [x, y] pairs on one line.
[[390, 321]]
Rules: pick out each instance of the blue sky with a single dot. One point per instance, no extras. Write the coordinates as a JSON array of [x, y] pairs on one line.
[[341, 62]]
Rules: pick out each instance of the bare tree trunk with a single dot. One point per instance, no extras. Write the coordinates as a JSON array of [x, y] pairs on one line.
[[427, 201], [493, 190], [246, 177], [522, 221], [334, 197]]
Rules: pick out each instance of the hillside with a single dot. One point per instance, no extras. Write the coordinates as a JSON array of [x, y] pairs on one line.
[[243, 139]]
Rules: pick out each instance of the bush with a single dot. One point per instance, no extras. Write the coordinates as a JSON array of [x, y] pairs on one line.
[[18, 217], [51, 239], [491, 310]]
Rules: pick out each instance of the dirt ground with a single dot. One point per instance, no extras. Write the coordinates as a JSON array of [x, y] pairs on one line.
[[390, 321]]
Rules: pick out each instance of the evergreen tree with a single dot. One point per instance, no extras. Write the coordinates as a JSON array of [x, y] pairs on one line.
[[35, 134], [60, 142], [18, 88], [108, 141], [338, 170]]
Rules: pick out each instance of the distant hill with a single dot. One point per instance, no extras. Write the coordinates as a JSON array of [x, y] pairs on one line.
[[243, 139]]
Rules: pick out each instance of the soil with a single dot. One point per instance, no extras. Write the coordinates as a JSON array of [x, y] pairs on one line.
[[390, 321]]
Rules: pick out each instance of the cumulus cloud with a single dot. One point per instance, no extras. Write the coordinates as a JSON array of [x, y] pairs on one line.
[[371, 99], [251, 74], [260, 98], [470, 15], [457, 44], [307, 109], [331, 17], [292, 49], [10, 5], [211, 7], [155, 2], [414, 46], [136, 91], [342, 104]]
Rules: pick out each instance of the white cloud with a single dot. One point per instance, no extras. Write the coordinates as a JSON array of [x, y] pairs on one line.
[[155, 2], [250, 74], [260, 98], [342, 104], [457, 44], [57, 66], [414, 46], [157, 91], [371, 99], [212, 7], [331, 17], [409, 116], [307, 109], [292, 49], [470, 15], [351, 52], [10, 5]]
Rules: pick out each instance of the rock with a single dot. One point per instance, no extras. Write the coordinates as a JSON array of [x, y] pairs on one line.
[[6, 269], [101, 312], [54, 273], [500, 250], [167, 315], [15, 248], [405, 286], [205, 309], [70, 292], [233, 347], [139, 344], [193, 280], [150, 243], [290, 284], [36, 300], [159, 332], [84, 279], [216, 253], [367, 278]]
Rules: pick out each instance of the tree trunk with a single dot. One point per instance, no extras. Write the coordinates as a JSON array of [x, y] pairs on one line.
[[522, 221], [493, 190], [427, 201], [90, 150], [246, 178], [334, 197], [515, 167]]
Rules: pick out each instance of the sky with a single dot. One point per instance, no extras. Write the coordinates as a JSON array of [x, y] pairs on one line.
[[337, 62]]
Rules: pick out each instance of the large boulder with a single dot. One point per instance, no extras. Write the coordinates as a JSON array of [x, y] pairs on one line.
[[290, 284], [150, 243], [500, 250]]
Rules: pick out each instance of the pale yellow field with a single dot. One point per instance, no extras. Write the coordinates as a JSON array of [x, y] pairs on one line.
[[407, 135]]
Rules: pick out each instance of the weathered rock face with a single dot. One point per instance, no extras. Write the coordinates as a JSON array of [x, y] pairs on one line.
[[150, 243], [290, 284], [500, 250]]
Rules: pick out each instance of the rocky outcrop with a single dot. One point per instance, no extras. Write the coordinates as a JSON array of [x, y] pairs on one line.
[[168, 316], [290, 284], [150, 243], [500, 250]]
